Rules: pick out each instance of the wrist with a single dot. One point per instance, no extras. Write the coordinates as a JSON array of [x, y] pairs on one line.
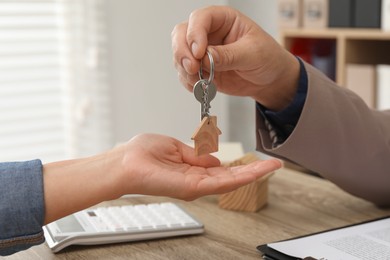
[[73, 185], [280, 93], [113, 172]]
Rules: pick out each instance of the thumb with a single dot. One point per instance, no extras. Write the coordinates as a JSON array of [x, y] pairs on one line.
[[233, 56]]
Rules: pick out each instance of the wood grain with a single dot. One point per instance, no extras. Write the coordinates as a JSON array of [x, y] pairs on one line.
[[251, 197], [206, 136], [298, 204]]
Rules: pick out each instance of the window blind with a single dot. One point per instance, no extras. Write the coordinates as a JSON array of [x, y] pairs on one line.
[[54, 101]]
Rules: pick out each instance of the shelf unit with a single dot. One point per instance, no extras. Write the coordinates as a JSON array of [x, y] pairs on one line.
[[353, 46], [359, 46]]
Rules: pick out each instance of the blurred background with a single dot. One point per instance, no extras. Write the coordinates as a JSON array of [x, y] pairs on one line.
[[79, 76]]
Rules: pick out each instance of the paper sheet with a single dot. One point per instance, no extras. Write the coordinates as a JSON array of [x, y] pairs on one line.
[[364, 241]]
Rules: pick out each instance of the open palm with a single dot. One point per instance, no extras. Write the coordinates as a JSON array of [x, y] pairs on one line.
[[167, 167]]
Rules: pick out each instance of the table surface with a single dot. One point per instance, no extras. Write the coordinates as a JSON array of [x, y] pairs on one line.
[[298, 204]]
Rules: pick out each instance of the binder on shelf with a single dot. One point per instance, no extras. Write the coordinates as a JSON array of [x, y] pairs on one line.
[[361, 79], [383, 87], [324, 57], [290, 13], [321, 53], [385, 15], [367, 14], [315, 13], [341, 13], [303, 48]]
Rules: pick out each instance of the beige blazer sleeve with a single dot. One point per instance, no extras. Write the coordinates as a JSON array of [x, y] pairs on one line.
[[339, 137]]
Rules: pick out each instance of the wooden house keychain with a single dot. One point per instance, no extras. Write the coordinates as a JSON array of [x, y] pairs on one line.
[[207, 133]]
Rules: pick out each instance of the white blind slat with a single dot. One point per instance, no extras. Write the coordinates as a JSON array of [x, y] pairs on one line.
[[24, 21], [24, 114], [30, 87], [21, 48], [29, 34], [29, 61], [29, 74], [9, 8], [33, 126], [34, 138]]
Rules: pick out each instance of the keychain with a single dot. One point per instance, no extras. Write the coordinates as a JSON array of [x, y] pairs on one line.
[[206, 135]]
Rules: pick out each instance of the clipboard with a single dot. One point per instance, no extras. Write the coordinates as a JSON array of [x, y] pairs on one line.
[[270, 253]]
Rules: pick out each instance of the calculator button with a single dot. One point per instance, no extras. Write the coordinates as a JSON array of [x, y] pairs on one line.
[[140, 218]]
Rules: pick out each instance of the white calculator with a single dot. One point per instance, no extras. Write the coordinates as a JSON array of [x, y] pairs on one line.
[[121, 224]]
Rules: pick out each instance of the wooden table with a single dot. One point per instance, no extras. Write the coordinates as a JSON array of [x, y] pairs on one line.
[[298, 204]]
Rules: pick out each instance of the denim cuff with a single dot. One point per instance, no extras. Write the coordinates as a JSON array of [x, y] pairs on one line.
[[21, 205]]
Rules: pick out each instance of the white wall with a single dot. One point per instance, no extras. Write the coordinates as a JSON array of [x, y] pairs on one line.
[[147, 94], [263, 12], [242, 110]]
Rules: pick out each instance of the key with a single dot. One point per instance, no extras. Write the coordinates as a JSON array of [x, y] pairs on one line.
[[209, 94], [206, 135], [198, 90], [204, 93], [199, 95]]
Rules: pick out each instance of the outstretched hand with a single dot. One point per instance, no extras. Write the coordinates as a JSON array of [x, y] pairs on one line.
[[163, 166]]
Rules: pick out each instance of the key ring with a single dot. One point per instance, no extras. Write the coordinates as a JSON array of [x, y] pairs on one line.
[[211, 77]]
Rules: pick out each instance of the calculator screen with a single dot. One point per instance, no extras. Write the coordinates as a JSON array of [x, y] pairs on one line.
[[69, 224]]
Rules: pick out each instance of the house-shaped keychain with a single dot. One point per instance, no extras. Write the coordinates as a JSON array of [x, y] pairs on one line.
[[206, 136]]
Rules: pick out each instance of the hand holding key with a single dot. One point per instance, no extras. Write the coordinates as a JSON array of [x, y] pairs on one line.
[[248, 61], [206, 135]]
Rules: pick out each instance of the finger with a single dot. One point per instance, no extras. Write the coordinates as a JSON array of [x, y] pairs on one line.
[[242, 176], [223, 183], [191, 158], [257, 168], [182, 54], [187, 80], [185, 83], [203, 22]]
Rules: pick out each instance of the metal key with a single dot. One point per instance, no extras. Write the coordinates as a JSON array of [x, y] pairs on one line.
[[204, 93], [205, 90], [206, 134]]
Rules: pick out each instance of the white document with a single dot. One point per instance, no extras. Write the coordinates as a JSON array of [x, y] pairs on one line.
[[370, 240]]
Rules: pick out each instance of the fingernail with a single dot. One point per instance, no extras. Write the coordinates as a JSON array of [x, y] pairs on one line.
[[194, 48], [187, 65]]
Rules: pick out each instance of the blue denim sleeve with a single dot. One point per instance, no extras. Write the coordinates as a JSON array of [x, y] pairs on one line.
[[21, 206], [284, 122]]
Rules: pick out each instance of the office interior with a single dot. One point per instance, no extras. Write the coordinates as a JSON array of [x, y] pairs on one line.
[[82, 76], [78, 77]]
